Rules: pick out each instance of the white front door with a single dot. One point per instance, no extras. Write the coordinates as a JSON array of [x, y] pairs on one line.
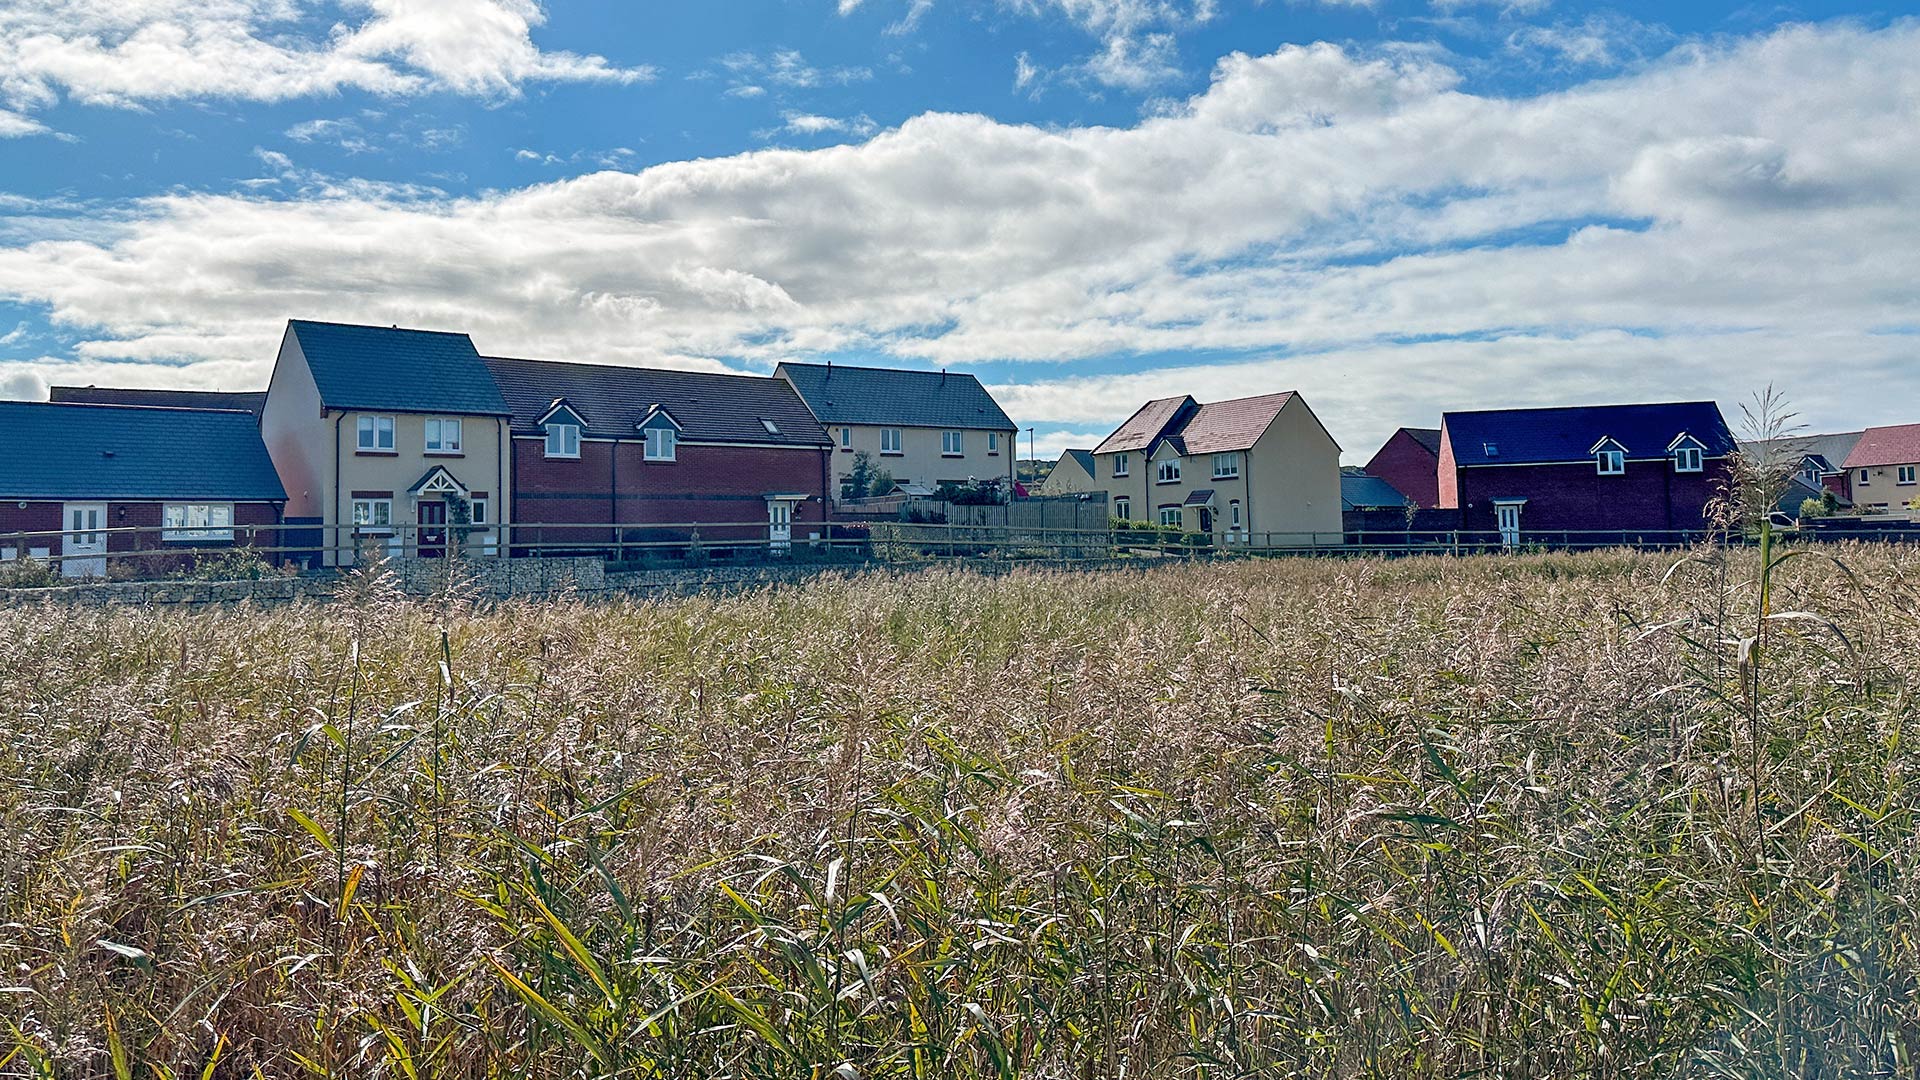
[[1508, 517], [83, 546], [779, 524]]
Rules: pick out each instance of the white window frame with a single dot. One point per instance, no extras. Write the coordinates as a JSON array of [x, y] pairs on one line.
[[953, 444], [566, 433], [846, 437], [1176, 514], [1123, 508], [772, 428], [1610, 462], [435, 438], [993, 442], [365, 520], [890, 440], [1226, 466], [1233, 515], [1122, 464], [374, 435], [660, 444], [1903, 475], [1866, 477], [1168, 472], [196, 521], [1688, 459]]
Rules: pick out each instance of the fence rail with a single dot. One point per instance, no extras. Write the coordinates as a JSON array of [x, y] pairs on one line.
[[79, 553]]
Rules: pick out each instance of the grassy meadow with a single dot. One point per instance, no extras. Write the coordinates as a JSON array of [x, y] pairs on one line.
[[1564, 815]]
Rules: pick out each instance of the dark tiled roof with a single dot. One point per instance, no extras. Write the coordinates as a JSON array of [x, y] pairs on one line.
[[1146, 424], [1830, 449], [51, 450], [613, 400], [1428, 437], [839, 394], [244, 401], [1537, 436], [1199, 497], [1193, 428], [1084, 457], [383, 368], [1896, 445], [1363, 492]]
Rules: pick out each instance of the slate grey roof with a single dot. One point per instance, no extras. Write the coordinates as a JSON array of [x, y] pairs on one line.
[[613, 400], [1834, 448], [246, 400], [1428, 437], [1084, 457], [1361, 491], [54, 450], [388, 369], [889, 397]]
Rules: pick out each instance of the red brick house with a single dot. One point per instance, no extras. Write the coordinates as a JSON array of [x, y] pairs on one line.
[[1603, 468], [1410, 461], [94, 474], [652, 454]]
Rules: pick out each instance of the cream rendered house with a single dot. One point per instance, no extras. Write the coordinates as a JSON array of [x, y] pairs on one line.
[[1884, 469], [923, 428], [1071, 475], [382, 436], [1258, 470]]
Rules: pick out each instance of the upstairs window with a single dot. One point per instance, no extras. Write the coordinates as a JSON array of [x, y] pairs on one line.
[[1904, 475], [1169, 471], [889, 440], [1687, 459], [660, 444], [993, 442], [951, 444], [1611, 462], [1121, 463], [375, 434], [443, 436], [846, 438], [1864, 474], [1226, 466], [563, 440]]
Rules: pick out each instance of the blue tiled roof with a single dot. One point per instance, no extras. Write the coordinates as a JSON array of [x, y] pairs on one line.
[[1538, 436], [1360, 491], [50, 450], [838, 394], [381, 368]]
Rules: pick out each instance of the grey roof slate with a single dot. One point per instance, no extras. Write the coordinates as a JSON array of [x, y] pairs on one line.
[[244, 400], [54, 450], [839, 394], [1360, 491], [613, 400], [1833, 447], [1084, 457], [390, 369]]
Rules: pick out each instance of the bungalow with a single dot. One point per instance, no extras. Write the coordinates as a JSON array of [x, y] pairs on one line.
[[84, 472], [1258, 466], [1643, 468], [387, 437], [730, 456], [924, 428], [1883, 465], [1071, 475], [1410, 461]]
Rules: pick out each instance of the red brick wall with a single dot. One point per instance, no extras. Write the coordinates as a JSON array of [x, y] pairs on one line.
[[722, 489], [46, 517], [1412, 469], [1650, 497]]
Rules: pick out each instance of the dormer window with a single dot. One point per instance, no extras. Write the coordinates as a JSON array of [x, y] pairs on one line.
[[660, 444], [563, 440], [1686, 459], [1169, 472], [1611, 462]]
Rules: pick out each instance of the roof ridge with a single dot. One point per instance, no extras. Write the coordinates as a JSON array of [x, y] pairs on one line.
[[888, 370], [1570, 408], [630, 367], [374, 326], [132, 408]]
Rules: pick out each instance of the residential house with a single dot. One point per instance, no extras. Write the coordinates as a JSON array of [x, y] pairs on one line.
[[191, 476], [387, 437], [1071, 475], [1640, 468], [732, 457], [1257, 469], [1818, 463], [1362, 492], [1410, 461], [922, 428], [1882, 467]]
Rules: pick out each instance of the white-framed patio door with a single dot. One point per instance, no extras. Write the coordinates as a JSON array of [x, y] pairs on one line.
[[1506, 516], [83, 544]]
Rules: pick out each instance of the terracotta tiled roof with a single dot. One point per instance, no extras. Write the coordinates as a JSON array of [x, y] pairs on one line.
[[1144, 426], [1895, 445], [1231, 425]]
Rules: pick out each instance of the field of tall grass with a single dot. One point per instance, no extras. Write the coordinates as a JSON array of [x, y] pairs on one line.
[[1567, 815]]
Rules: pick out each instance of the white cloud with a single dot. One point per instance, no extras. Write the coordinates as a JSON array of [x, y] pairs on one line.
[[1138, 47], [798, 123], [1602, 39], [13, 125], [1360, 227], [109, 52]]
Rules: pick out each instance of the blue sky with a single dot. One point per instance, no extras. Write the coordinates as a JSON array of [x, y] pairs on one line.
[[1396, 208]]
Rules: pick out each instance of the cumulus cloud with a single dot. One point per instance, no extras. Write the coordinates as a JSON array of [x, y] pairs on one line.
[[1359, 227], [109, 52]]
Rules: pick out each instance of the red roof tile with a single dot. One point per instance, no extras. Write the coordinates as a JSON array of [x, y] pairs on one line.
[[1231, 425], [1143, 426], [1895, 445]]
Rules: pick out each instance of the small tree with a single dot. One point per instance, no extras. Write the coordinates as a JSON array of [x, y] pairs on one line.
[[859, 479], [1829, 503], [1811, 508], [882, 483]]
